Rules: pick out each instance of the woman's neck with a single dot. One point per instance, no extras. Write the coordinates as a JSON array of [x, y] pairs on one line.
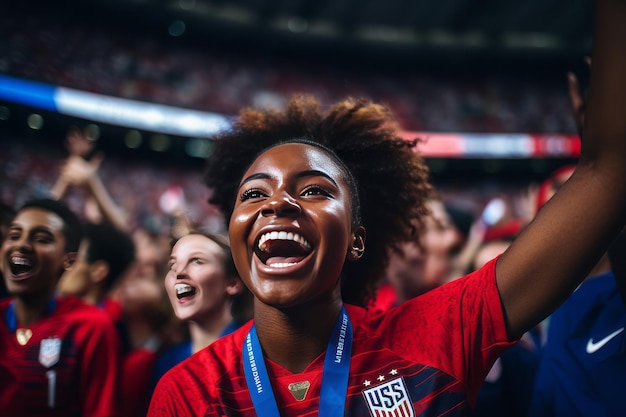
[[208, 330], [294, 337]]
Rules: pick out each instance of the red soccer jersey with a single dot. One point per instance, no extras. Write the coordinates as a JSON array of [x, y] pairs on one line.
[[386, 298], [429, 356], [137, 384], [69, 367]]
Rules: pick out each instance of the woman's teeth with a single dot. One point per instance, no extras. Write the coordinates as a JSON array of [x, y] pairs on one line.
[[184, 290], [283, 236], [282, 264]]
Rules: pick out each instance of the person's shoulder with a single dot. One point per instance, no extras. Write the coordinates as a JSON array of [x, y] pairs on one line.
[[176, 352], [600, 283], [73, 304], [593, 298], [77, 310], [593, 290], [203, 370], [221, 354], [229, 344], [384, 299], [112, 307]]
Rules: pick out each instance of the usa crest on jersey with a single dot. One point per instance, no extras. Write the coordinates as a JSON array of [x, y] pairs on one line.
[[49, 351], [390, 399]]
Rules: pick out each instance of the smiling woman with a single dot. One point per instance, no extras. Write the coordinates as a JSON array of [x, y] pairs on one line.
[[58, 355], [205, 292], [315, 199], [354, 139], [303, 199]]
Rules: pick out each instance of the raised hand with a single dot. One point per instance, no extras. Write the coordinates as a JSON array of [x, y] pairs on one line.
[[78, 171], [578, 98], [78, 142]]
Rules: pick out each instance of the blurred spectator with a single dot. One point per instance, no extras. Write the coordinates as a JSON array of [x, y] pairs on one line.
[[205, 291], [104, 256], [151, 328], [6, 215], [583, 368], [59, 356], [151, 324], [415, 268]]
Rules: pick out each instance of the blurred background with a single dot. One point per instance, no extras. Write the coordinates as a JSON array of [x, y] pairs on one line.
[[150, 81]]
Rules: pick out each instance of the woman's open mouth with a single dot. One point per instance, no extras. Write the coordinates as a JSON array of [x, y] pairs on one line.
[[184, 291], [20, 266], [281, 249]]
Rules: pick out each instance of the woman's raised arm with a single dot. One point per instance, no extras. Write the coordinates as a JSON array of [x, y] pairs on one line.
[[556, 251]]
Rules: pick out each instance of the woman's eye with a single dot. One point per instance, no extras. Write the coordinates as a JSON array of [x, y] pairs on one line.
[[43, 239], [315, 190], [248, 194]]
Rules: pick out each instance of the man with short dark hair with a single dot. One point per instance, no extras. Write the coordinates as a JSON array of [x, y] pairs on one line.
[[58, 355]]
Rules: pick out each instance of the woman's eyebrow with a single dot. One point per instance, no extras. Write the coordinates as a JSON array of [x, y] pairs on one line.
[[257, 176], [43, 229], [307, 173], [316, 173]]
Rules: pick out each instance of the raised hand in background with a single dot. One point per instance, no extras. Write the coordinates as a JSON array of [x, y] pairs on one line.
[[77, 171]]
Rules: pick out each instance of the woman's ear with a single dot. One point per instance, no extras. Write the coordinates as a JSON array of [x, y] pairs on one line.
[[358, 244], [99, 271], [234, 286]]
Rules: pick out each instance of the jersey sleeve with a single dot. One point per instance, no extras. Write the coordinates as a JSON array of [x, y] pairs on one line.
[[458, 328]]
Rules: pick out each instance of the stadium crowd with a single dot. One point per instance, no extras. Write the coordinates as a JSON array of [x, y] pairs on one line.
[[88, 55]]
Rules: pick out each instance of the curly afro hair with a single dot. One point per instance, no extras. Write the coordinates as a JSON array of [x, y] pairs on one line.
[[391, 178]]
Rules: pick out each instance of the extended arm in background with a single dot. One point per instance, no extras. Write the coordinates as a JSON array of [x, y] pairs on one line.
[[78, 144], [80, 172], [556, 251]]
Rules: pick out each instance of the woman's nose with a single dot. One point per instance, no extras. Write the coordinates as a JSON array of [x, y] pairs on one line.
[[281, 205], [180, 271], [176, 270]]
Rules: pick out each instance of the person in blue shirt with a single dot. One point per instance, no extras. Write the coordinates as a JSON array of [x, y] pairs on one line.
[[583, 368]]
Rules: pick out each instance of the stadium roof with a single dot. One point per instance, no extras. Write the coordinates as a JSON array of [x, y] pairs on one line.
[[390, 30]]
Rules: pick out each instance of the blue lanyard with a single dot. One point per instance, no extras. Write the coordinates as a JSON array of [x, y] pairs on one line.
[[334, 377]]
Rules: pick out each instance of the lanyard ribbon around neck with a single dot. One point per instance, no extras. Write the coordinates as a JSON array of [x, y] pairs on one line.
[[334, 378]]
